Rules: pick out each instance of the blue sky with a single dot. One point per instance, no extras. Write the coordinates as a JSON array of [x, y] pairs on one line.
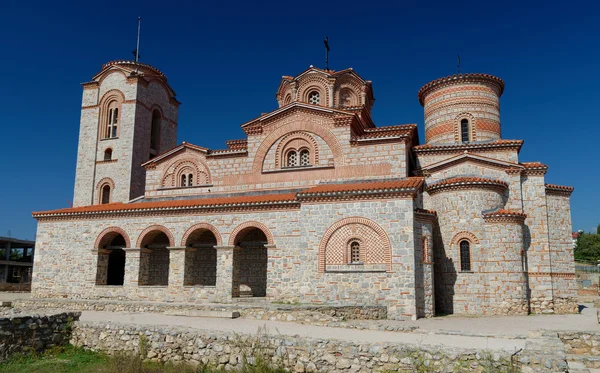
[[225, 61]]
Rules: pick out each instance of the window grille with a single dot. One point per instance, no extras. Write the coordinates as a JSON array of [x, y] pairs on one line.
[[304, 158], [292, 159], [314, 98], [354, 252], [465, 256], [464, 130]]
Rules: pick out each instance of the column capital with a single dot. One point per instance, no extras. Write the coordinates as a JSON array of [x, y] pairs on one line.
[[271, 246], [224, 247], [176, 248]]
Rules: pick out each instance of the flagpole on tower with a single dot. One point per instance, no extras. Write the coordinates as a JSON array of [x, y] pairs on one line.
[[458, 64], [137, 48], [326, 53]]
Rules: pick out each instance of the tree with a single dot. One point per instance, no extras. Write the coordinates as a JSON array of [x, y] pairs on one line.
[[587, 247], [598, 229]]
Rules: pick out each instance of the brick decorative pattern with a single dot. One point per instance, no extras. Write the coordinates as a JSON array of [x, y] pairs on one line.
[[150, 232], [200, 227], [335, 245]]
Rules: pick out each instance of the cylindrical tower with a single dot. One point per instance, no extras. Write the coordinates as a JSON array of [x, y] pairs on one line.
[[462, 108]]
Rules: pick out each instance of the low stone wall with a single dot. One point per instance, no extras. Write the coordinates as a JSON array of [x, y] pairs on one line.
[[224, 350], [315, 315], [22, 332], [587, 281], [581, 343]]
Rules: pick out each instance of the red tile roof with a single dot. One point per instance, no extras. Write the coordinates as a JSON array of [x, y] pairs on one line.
[[504, 212], [458, 79], [237, 201], [456, 181], [410, 183], [533, 165], [560, 187], [491, 144]]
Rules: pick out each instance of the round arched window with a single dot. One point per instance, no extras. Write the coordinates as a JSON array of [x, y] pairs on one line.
[[314, 98]]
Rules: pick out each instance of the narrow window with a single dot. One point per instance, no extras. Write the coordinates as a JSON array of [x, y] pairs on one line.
[[183, 180], [155, 131], [105, 194], [314, 98], [108, 154], [465, 256], [464, 130], [305, 158], [190, 180], [292, 159], [354, 252], [112, 121]]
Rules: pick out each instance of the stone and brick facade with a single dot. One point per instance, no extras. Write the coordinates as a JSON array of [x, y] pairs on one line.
[[316, 205]]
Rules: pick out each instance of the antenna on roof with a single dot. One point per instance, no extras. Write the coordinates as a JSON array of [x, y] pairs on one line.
[[136, 52], [326, 41], [458, 64]]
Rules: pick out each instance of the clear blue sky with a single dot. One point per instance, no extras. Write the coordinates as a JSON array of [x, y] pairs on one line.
[[225, 61]]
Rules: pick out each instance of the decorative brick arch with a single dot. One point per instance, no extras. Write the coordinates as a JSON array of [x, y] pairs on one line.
[[205, 226], [464, 235], [336, 239], [153, 228], [104, 181], [112, 231], [251, 224], [172, 173], [314, 82], [287, 141], [457, 129], [306, 127]]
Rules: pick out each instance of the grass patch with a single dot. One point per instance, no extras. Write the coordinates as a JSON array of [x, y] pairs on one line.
[[71, 359]]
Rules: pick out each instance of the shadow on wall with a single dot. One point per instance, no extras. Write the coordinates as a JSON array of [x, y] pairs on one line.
[[445, 278], [524, 256]]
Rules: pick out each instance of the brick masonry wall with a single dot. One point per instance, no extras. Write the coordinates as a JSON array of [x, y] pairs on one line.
[[339, 160], [66, 262], [447, 105]]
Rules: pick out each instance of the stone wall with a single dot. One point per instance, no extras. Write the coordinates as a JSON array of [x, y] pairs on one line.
[[581, 343], [298, 354], [66, 263], [314, 315], [25, 332]]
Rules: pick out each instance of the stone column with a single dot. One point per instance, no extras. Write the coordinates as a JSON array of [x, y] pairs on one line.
[[132, 267], [331, 83], [101, 266], [7, 258], [176, 268], [225, 275]]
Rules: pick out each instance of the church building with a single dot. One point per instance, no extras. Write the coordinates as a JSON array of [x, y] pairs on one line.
[[316, 205]]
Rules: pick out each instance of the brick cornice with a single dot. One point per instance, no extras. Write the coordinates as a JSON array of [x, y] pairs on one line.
[[459, 183], [559, 190], [504, 216]]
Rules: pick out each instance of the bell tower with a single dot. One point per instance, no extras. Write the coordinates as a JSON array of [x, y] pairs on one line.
[[128, 116]]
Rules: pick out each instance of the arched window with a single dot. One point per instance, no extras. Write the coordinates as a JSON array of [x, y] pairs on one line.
[[112, 121], [105, 195], [292, 158], [190, 180], [355, 252], [108, 154], [288, 99], [465, 255], [155, 133], [304, 157], [183, 180], [464, 130], [314, 98]]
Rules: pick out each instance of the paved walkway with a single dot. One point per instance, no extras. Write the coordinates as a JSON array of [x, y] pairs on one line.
[[246, 326], [512, 325]]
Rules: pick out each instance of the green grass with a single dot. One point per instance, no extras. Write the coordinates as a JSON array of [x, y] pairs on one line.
[[77, 360]]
